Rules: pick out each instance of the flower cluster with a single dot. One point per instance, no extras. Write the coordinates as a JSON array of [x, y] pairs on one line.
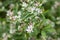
[[30, 28], [28, 19]]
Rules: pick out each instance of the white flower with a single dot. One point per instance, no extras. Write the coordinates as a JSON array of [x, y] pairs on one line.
[[4, 34], [12, 31], [10, 18], [11, 6], [56, 4], [19, 12], [24, 4], [38, 10], [19, 27], [5, 37], [31, 9], [30, 29], [19, 20], [19, 16], [31, 2], [37, 4], [13, 17], [58, 18], [9, 13], [40, 4], [12, 28]]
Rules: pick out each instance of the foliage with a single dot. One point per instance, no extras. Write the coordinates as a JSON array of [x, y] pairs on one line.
[[29, 19]]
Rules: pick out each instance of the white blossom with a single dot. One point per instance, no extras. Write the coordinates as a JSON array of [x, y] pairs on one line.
[[38, 10], [40, 4], [9, 13], [11, 6], [31, 9], [56, 4], [24, 4], [31, 2], [36, 4], [14, 17], [30, 29], [58, 18], [5, 37], [19, 12], [19, 27], [12, 31], [12, 28]]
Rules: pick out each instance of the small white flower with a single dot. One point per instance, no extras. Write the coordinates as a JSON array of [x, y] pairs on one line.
[[4, 34], [12, 28], [19, 12], [56, 4], [37, 4], [22, 8], [14, 17], [31, 9], [24, 4], [19, 20], [38, 10], [11, 6], [40, 4], [30, 29], [12, 31], [10, 18], [58, 18], [31, 2], [19, 27], [9, 13], [5, 37]]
